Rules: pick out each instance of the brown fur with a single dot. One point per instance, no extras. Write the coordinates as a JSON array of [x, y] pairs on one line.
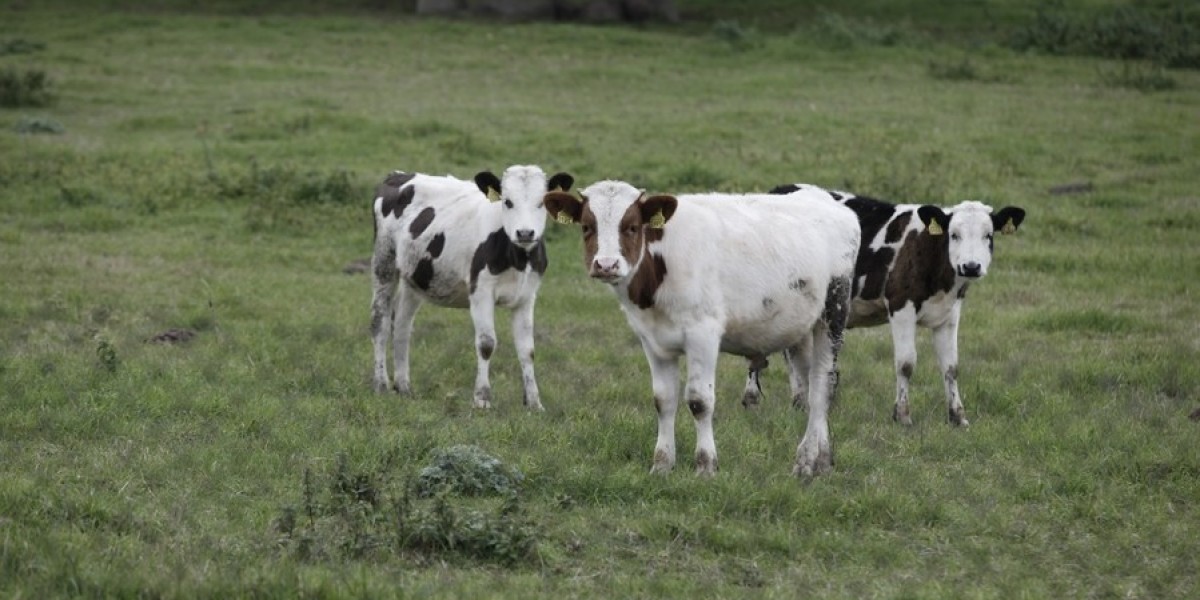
[[913, 279]]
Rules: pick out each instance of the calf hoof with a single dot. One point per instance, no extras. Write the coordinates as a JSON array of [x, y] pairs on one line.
[[533, 403], [800, 401], [958, 418], [750, 399], [663, 463], [901, 416], [706, 464], [809, 468], [381, 387], [403, 389], [483, 398]]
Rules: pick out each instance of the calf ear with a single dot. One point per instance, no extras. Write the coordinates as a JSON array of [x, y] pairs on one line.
[[936, 221], [564, 207], [657, 210], [489, 184], [561, 182], [1008, 219]]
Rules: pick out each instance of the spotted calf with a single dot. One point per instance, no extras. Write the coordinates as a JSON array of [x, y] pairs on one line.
[[701, 274], [913, 268], [459, 244]]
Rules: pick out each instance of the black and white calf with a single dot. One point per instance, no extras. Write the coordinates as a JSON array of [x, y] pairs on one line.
[[914, 266], [459, 244], [701, 274]]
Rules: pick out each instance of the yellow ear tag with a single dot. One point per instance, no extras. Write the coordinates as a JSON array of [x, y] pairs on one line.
[[1008, 227], [493, 195], [935, 229], [564, 218], [658, 221]]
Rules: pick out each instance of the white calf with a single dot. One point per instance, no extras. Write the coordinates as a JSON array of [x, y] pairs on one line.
[[697, 275]]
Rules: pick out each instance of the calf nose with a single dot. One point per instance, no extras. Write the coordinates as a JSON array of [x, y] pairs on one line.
[[604, 267], [971, 269], [525, 235]]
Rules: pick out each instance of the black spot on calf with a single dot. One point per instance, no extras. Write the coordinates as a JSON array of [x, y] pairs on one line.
[[395, 200], [398, 178], [422, 222], [784, 189], [436, 245], [497, 254], [423, 275]]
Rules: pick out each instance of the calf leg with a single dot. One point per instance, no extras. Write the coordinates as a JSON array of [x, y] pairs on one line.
[[384, 279], [799, 357], [945, 344], [483, 316], [664, 380], [522, 326], [904, 345], [814, 455], [703, 349], [402, 325]]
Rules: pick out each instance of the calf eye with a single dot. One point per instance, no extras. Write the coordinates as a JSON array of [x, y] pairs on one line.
[[508, 204], [630, 230], [955, 237]]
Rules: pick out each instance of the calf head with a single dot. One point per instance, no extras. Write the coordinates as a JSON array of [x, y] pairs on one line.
[[968, 230], [520, 191], [617, 221]]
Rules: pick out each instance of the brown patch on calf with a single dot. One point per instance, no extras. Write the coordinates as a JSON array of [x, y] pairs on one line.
[[895, 229], [652, 269], [644, 283], [922, 269]]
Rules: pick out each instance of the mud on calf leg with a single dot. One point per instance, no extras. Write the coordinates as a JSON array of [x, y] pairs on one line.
[[486, 345], [957, 414], [900, 412], [706, 459]]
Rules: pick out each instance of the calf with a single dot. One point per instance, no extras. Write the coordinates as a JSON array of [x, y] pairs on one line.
[[697, 275], [463, 245], [913, 268]]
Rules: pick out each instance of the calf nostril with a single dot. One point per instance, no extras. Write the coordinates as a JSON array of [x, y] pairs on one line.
[[525, 235]]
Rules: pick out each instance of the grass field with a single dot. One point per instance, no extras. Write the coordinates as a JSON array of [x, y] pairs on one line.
[[212, 171]]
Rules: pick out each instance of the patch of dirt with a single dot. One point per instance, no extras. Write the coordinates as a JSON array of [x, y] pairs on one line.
[[172, 336], [355, 267], [1195, 416]]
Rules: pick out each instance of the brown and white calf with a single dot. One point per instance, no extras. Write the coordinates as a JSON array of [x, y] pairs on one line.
[[913, 268], [459, 244], [701, 274]]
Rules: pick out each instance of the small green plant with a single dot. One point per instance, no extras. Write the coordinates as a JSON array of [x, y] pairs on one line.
[[107, 354], [467, 471], [37, 125], [362, 515], [24, 88]]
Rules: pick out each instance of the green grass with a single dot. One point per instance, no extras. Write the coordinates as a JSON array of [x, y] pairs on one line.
[[212, 171]]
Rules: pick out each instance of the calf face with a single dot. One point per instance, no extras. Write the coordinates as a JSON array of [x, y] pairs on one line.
[[617, 221], [969, 228], [521, 189]]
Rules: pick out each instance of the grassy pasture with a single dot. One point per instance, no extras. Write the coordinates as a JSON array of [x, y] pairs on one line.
[[212, 172]]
